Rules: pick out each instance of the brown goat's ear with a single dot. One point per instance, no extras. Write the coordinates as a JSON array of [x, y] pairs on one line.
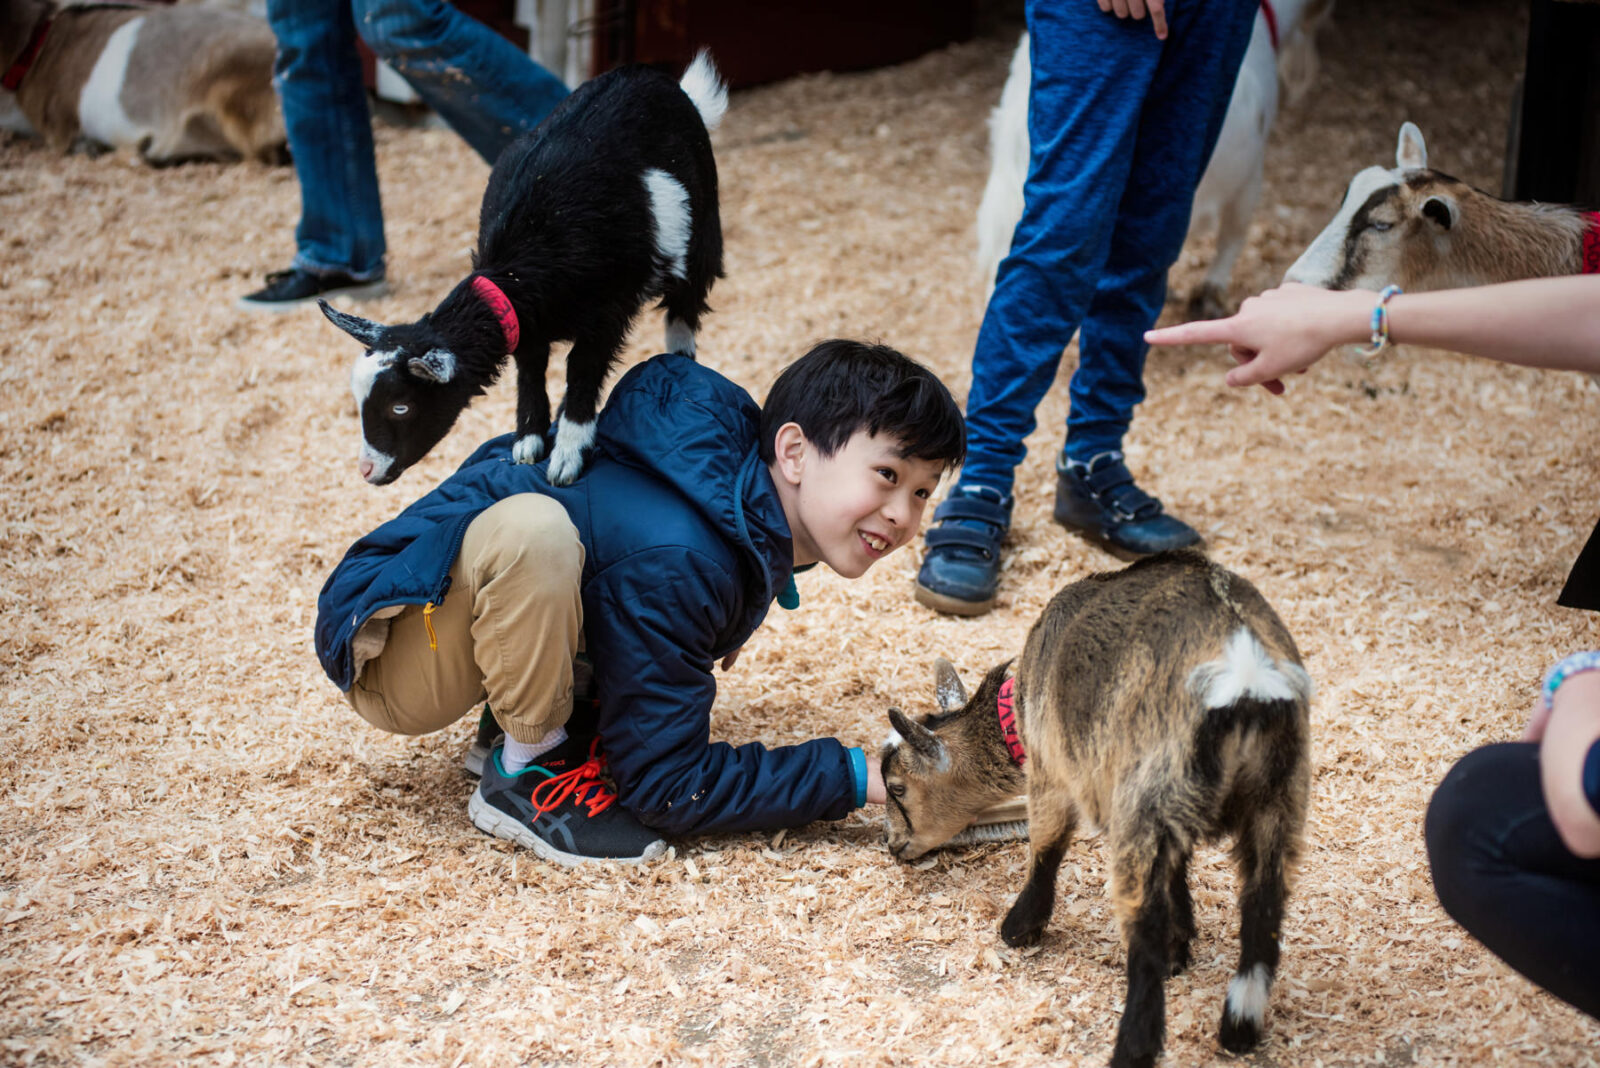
[[439, 365], [947, 687], [923, 743], [363, 330], [1441, 211]]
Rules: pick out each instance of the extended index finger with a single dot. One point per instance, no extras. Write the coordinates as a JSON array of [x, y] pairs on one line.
[[1204, 332]]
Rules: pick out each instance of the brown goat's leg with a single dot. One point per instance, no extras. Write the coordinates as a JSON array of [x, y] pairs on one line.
[[1143, 1029], [1182, 916], [1051, 822], [1261, 854]]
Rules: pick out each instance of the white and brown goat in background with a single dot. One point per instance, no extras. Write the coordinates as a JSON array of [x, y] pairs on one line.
[[1421, 229], [184, 82], [1164, 702]]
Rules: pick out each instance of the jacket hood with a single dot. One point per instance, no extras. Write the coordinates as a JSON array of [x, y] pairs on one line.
[[675, 418]]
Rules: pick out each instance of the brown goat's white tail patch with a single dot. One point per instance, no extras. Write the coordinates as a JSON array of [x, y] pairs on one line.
[[1245, 669]]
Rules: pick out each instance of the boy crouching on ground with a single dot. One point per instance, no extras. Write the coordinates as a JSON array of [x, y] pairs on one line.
[[693, 514]]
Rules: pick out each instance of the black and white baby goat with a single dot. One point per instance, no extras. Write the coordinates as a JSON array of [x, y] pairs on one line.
[[610, 203], [1164, 702]]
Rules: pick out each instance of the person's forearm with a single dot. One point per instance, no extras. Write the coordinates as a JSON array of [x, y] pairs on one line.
[[1574, 726], [1553, 323]]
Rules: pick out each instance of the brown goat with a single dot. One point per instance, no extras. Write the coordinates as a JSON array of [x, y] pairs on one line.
[[1420, 229], [1164, 702], [178, 83]]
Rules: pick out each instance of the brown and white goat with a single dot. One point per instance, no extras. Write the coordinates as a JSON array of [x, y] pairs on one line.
[[1420, 229], [1164, 702], [177, 83]]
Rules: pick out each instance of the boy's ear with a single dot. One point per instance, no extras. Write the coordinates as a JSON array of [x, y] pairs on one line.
[[790, 446]]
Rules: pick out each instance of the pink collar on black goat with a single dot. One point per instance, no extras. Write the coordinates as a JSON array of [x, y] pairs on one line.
[[500, 304]]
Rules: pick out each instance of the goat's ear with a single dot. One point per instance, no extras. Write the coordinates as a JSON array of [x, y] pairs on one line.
[[363, 330], [1411, 152], [439, 365], [947, 687], [922, 742], [1441, 211]]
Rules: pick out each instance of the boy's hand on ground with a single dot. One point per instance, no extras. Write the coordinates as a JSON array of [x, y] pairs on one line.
[[876, 794], [732, 658], [1135, 9]]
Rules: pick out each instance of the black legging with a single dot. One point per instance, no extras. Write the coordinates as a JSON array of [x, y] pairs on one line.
[[1501, 871]]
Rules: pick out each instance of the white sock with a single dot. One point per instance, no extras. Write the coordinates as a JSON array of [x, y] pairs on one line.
[[518, 755]]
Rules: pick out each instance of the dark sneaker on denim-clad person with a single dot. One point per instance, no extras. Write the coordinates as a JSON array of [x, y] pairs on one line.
[[296, 286], [562, 807], [960, 571], [1100, 501]]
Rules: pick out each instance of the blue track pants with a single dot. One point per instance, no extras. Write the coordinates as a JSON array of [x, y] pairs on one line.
[[1122, 125]]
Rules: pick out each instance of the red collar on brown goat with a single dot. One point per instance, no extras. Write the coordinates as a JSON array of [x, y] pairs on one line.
[[1005, 707], [24, 61]]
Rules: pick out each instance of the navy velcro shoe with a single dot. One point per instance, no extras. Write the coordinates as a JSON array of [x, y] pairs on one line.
[[562, 807], [1100, 501], [960, 571]]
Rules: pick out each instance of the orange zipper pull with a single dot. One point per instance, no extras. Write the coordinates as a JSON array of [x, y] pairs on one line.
[[433, 639]]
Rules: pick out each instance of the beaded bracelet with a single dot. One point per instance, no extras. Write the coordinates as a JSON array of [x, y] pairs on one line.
[[1380, 324], [1572, 665]]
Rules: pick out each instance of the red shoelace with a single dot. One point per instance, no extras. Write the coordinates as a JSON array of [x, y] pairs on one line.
[[583, 784]]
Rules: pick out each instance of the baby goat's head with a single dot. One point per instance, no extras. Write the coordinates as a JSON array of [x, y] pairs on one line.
[[942, 770], [407, 389]]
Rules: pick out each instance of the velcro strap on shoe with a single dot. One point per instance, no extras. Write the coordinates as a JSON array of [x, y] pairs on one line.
[[1113, 486], [971, 508], [984, 540]]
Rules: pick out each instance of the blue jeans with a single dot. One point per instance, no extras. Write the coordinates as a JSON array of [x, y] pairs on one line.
[[1502, 872], [1121, 125], [486, 88]]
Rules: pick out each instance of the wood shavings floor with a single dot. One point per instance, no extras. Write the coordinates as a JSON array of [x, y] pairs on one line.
[[206, 858]]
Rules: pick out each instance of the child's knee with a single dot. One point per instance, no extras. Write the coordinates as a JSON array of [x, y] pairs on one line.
[[528, 535]]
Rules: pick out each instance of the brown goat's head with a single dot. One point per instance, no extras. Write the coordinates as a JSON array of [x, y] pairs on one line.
[[942, 770], [1391, 227]]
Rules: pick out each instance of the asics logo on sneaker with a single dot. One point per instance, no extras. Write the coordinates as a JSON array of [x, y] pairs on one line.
[[549, 826]]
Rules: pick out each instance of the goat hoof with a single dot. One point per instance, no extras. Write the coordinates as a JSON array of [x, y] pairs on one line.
[[1121, 1058], [1238, 1036], [565, 466], [1207, 303], [1180, 959], [1020, 936], [529, 449]]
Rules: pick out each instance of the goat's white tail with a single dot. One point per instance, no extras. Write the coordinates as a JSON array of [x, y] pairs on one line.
[[1001, 207], [1246, 670], [704, 86]]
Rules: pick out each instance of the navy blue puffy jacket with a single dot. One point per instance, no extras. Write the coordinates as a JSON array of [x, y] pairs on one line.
[[686, 545]]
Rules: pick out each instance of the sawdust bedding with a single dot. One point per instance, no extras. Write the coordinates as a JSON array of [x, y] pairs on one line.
[[206, 857]]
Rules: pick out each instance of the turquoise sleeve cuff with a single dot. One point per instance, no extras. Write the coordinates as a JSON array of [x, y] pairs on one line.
[[858, 772]]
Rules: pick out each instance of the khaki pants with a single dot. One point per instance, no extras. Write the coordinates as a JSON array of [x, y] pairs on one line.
[[507, 631]]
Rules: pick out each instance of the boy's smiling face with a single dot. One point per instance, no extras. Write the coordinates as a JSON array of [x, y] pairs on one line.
[[855, 507]]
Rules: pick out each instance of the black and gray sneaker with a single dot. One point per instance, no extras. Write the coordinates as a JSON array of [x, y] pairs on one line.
[[562, 808], [290, 289]]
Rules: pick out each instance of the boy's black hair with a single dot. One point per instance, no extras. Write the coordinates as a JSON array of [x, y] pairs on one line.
[[843, 386]]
